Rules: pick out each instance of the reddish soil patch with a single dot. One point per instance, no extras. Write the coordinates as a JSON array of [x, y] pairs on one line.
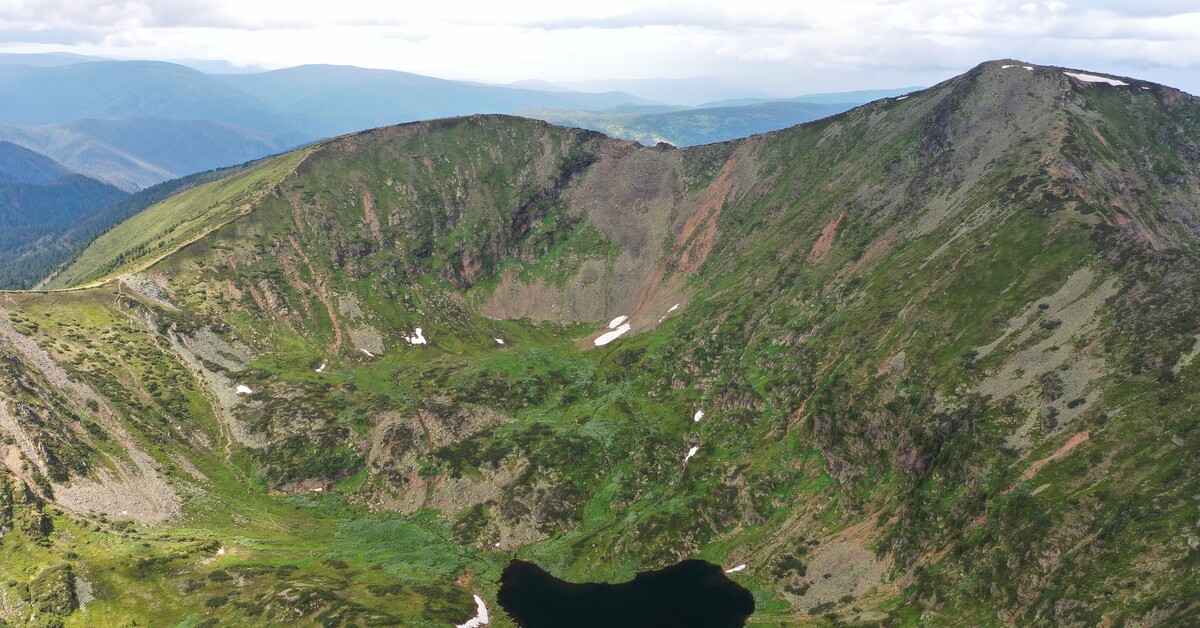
[[826, 239], [696, 244], [1066, 448], [373, 227]]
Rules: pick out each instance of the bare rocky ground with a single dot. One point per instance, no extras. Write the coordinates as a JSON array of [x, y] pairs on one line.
[[132, 487], [1041, 346], [204, 347]]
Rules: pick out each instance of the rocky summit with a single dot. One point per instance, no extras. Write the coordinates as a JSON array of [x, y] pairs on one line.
[[927, 362]]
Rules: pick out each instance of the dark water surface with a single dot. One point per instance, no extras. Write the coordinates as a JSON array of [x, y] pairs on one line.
[[693, 593]]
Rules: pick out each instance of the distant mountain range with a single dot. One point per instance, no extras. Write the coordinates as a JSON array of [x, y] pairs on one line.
[[706, 124], [330, 100], [36, 190], [137, 152], [690, 92], [39, 199], [137, 123]]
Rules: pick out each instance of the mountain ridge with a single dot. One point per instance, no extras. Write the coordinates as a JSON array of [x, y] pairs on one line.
[[943, 345], [21, 165]]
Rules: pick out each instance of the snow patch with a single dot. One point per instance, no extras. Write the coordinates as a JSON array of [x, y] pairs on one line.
[[691, 452], [616, 322], [608, 337], [243, 389], [1027, 67], [481, 615], [369, 354], [1144, 87], [741, 567], [1092, 78], [220, 551], [901, 97], [699, 415], [321, 369], [498, 341], [664, 316], [418, 338]]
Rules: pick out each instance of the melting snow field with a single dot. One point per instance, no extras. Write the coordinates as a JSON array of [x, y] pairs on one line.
[[1092, 78], [369, 354], [417, 338], [691, 452], [1027, 67], [608, 337], [699, 415], [499, 341], [481, 615], [741, 567], [243, 389], [614, 323]]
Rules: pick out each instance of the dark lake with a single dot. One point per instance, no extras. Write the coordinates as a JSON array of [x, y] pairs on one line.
[[692, 593]]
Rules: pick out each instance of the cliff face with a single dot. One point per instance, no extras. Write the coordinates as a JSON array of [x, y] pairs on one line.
[[929, 359]]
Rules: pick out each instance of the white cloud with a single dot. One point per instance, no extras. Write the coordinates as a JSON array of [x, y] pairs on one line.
[[795, 45]]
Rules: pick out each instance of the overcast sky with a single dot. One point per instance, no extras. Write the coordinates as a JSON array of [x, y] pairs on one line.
[[782, 47]]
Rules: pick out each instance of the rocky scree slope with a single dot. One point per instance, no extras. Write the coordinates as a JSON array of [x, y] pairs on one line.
[[943, 345]]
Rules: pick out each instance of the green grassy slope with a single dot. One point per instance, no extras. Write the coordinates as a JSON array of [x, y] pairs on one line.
[[944, 346], [174, 222]]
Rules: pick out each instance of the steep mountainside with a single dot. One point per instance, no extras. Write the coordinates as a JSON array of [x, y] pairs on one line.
[[930, 361]]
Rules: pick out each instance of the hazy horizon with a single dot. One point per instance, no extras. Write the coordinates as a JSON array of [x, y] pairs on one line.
[[767, 48]]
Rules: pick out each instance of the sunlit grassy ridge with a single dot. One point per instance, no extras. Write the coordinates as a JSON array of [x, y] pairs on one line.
[[166, 226]]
